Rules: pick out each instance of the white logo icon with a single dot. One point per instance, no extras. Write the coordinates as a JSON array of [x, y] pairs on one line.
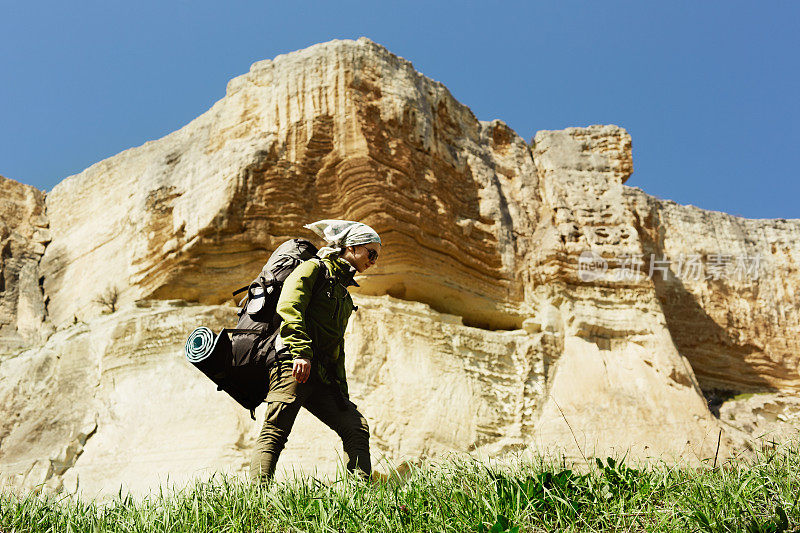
[[591, 266]]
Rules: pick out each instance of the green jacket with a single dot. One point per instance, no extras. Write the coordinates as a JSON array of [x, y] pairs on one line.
[[313, 324]]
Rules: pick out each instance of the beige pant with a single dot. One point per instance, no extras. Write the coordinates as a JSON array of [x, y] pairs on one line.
[[284, 400]]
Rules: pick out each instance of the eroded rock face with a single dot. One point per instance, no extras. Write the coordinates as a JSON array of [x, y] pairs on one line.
[[344, 130], [774, 416], [112, 403], [729, 292], [506, 311], [23, 236], [615, 369]]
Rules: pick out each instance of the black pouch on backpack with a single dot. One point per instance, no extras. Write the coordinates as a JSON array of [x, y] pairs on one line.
[[241, 378]]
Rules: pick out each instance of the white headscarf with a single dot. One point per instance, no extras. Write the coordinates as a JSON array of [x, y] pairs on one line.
[[341, 233]]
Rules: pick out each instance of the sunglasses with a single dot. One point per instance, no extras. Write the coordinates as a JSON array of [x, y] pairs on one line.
[[372, 254]]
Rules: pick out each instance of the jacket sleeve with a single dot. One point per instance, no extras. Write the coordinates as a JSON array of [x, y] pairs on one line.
[[291, 307]]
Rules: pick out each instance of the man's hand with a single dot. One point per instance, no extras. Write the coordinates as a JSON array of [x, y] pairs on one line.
[[301, 369]]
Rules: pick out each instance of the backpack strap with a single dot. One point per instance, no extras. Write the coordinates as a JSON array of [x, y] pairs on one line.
[[259, 331], [239, 291], [320, 281], [316, 260], [318, 286]]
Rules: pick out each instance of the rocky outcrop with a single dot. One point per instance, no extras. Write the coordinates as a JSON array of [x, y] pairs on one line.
[[773, 417], [112, 402], [344, 129], [523, 299], [616, 376], [728, 289], [23, 236]]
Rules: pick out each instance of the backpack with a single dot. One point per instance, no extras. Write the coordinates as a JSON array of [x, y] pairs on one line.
[[237, 359]]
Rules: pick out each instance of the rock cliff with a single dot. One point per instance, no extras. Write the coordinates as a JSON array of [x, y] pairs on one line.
[[526, 298], [23, 237]]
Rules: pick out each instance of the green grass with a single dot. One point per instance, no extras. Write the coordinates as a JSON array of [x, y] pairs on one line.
[[744, 396], [759, 494]]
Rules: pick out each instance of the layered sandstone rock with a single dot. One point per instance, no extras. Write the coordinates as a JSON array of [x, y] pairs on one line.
[[506, 311], [774, 417], [729, 292], [343, 129], [617, 377], [23, 237], [112, 402]]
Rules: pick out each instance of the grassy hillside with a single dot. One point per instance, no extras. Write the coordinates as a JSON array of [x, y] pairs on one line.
[[759, 494]]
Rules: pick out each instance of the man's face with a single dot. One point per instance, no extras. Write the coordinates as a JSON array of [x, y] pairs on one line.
[[365, 255]]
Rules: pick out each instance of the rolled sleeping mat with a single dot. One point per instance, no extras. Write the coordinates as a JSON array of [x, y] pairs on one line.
[[247, 382], [210, 353], [200, 344]]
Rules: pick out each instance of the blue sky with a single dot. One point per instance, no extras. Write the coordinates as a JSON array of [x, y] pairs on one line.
[[708, 90]]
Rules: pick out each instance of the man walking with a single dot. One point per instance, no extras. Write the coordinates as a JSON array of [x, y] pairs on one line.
[[312, 375]]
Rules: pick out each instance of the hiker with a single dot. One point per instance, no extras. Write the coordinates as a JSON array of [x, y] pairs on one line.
[[312, 330]]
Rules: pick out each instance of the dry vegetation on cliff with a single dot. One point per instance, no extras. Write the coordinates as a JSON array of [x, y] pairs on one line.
[[759, 494]]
